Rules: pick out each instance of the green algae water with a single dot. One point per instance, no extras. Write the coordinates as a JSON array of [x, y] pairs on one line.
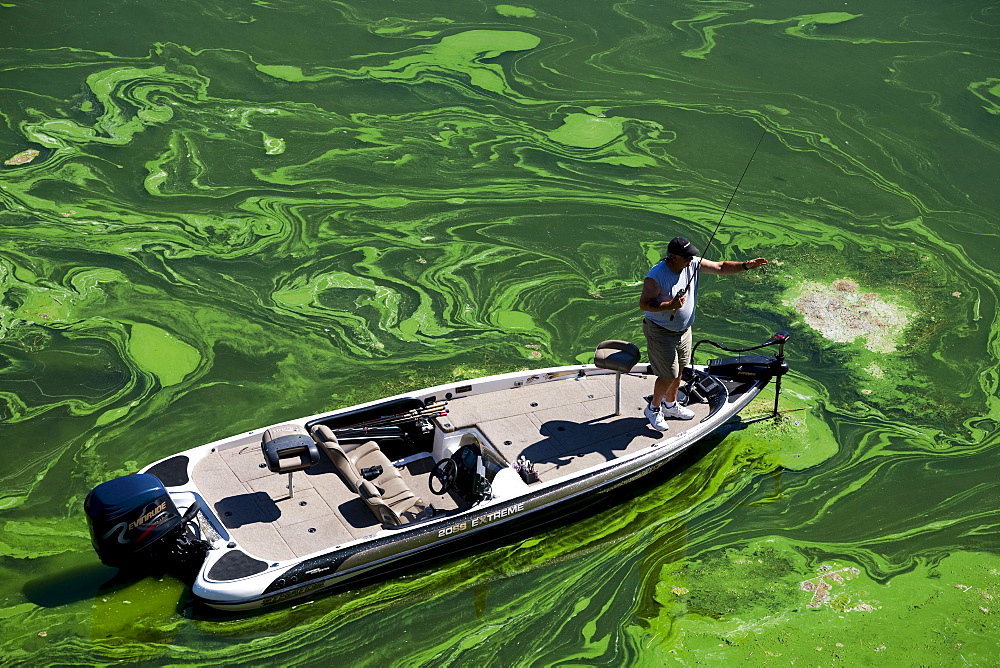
[[218, 215]]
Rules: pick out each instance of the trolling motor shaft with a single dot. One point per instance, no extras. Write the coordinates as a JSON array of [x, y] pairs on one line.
[[780, 338]]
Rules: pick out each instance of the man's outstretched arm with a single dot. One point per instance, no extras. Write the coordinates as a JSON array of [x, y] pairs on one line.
[[728, 267]]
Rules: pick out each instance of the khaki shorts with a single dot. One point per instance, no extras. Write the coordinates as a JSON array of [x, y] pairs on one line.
[[668, 352]]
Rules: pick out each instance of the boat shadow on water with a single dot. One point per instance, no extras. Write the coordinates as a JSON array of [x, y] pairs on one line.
[[61, 587]]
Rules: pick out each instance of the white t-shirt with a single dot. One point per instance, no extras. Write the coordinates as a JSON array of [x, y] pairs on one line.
[[670, 284]]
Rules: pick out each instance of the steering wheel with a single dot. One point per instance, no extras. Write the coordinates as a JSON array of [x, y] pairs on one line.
[[445, 471]]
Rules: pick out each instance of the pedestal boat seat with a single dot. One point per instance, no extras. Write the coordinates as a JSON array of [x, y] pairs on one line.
[[288, 448], [620, 357]]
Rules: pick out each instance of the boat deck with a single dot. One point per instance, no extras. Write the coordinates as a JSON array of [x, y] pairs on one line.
[[566, 426], [562, 426]]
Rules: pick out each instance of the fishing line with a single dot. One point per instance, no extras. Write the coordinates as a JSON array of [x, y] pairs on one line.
[[684, 290], [735, 190]]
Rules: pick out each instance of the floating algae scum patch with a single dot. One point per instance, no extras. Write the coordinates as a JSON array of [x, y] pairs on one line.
[[830, 577], [727, 582], [843, 312], [463, 53], [595, 130], [22, 158], [516, 11], [881, 315], [771, 602]]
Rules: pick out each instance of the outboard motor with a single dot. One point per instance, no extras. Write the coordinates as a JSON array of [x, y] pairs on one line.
[[133, 517]]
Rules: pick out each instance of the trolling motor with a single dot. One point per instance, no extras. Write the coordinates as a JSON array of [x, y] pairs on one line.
[[746, 367]]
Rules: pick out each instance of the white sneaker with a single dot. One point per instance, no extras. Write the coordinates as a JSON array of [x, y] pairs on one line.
[[676, 411], [655, 417]]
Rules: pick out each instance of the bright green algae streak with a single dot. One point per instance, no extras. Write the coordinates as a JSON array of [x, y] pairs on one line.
[[158, 352], [516, 11], [241, 213]]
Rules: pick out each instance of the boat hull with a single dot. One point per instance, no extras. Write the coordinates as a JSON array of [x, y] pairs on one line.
[[441, 537], [560, 416]]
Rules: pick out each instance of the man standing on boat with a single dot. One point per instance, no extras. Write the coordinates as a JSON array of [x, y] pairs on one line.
[[668, 297]]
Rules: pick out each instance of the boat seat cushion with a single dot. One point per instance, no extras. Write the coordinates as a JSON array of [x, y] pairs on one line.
[[345, 467], [288, 448], [619, 356], [390, 487], [387, 495], [351, 463], [388, 510], [368, 455]]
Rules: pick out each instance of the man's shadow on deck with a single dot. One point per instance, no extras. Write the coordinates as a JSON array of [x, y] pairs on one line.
[[564, 440]]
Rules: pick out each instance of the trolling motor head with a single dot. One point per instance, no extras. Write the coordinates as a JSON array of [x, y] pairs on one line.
[[753, 367], [743, 367]]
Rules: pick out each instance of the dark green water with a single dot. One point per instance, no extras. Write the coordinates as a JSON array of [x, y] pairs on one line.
[[244, 212]]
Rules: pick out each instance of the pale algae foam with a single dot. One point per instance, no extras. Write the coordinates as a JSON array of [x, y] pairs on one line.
[[220, 215]]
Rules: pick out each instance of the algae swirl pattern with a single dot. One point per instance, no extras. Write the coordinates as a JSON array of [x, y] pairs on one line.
[[217, 215]]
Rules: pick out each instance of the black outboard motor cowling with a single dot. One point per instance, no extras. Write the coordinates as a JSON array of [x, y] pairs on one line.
[[129, 515]]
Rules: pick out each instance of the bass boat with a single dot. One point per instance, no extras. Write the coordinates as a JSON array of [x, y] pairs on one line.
[[334, 499]]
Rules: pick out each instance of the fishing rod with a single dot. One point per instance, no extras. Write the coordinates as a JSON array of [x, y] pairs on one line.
[[390, 422], [683, 291], [415, 412]]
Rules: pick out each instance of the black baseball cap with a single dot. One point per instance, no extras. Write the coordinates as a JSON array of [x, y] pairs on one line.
[[681, 246]]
